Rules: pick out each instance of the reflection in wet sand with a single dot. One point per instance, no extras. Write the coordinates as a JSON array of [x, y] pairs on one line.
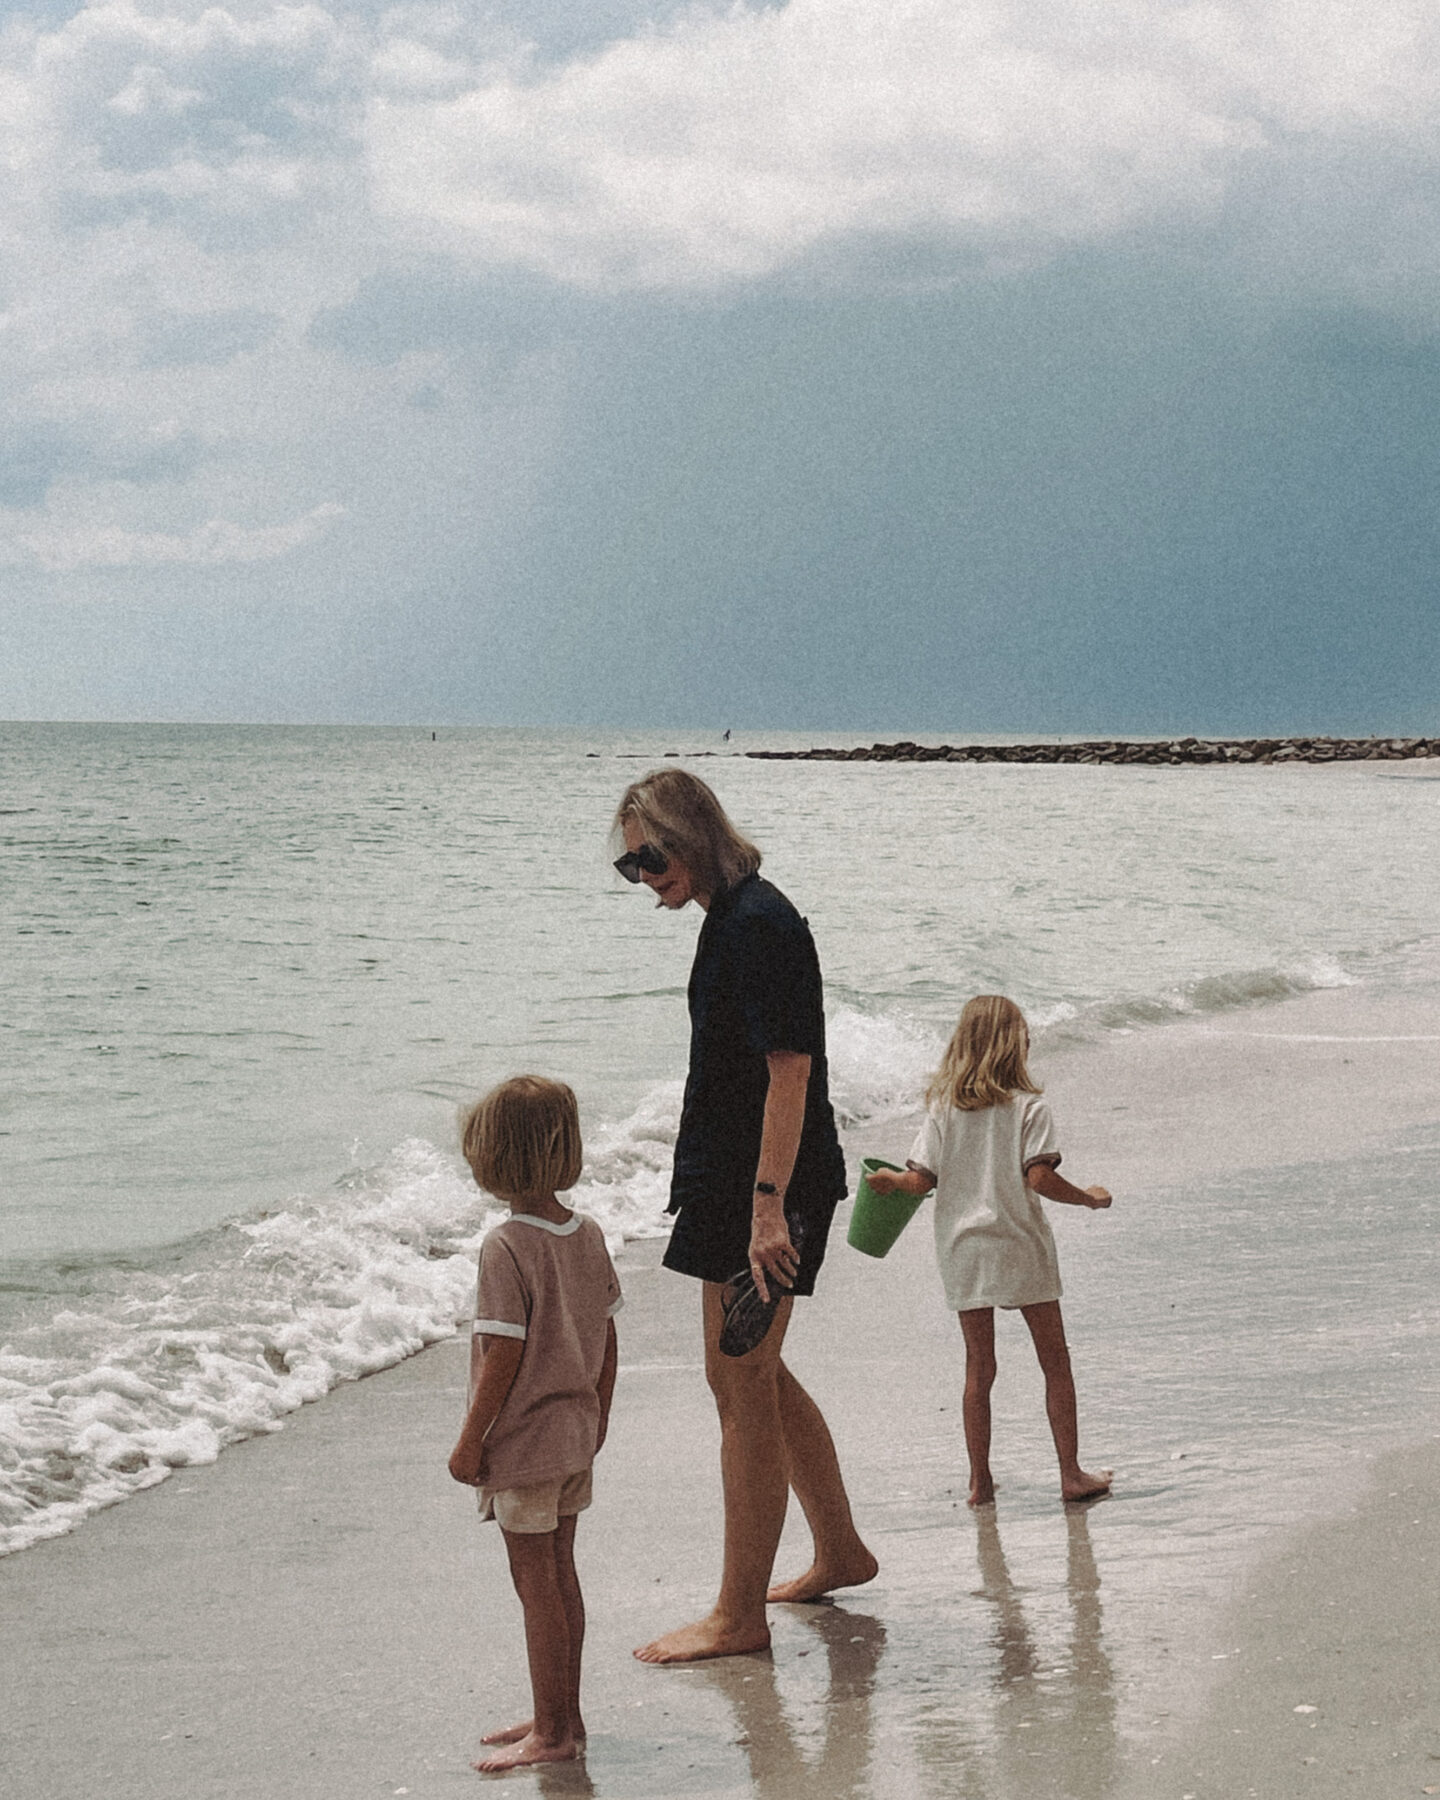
[[1052, 1727], [809, 1751], [563, 1781]]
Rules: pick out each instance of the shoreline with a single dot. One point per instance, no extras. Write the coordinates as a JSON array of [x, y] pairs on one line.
[[318, 1615]]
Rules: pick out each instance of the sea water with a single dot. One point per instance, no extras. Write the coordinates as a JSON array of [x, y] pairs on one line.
[[252, 973]]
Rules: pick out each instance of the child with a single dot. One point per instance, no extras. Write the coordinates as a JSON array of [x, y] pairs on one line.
[[987, 1147], [542, 1372]]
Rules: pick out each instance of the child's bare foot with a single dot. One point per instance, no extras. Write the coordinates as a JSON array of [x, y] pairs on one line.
[[823, 1578], [1084, 1486], [512, 1734], [704, 1639], [982, 1493], [532, 1748]]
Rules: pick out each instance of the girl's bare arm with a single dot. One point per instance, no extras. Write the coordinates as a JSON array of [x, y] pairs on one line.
[[1043, 1180], [605, 1386], [498, 1368], [901, 1181]]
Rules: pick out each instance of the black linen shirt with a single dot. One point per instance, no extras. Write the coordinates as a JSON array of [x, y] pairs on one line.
[[755, 987]]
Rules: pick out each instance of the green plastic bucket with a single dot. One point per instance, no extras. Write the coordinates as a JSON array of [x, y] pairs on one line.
[[878, 1219]]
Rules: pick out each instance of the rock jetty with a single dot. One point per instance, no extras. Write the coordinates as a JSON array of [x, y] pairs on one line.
[[1163, 753]]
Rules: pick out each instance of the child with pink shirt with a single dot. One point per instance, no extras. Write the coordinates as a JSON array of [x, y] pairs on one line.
[[542, 1372]]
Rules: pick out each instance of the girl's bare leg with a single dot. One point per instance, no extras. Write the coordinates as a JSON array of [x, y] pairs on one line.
[[535, 1572], [573, 1602], [813, 1469], [978, 1325], [752, 1469], [1047, 1330]]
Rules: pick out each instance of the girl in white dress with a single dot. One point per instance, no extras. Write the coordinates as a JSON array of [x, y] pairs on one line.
[[988, 1149]]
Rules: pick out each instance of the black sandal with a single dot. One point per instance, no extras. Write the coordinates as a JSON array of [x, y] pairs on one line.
[[745, 1317]]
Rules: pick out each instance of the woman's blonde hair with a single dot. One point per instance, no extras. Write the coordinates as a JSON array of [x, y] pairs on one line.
[[984, 1062], [680, 816], [523, 1138]]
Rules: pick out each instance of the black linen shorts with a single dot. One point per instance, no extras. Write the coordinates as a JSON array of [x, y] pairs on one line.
[[711, 1240]]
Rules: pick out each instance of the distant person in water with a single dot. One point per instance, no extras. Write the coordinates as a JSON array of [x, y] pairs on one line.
[[758, 1172], [542, 1372], [987, 1147]]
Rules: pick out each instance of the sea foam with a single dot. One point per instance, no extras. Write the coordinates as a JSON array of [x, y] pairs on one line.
[[163, 1366]]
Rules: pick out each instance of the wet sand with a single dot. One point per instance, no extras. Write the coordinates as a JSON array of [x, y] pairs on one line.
[[320, 1615], [1330, 1688]]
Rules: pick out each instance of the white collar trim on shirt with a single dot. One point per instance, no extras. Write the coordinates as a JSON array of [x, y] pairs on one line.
[[571, 1224]]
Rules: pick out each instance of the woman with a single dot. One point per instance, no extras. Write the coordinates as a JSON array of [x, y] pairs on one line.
[[758, 1172]]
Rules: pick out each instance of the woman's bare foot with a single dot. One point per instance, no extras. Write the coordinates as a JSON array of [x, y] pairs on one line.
[[823, 1578], [512, 1734], [531, 1748], [1084, 1486], [704, 1639], [982, 1493]]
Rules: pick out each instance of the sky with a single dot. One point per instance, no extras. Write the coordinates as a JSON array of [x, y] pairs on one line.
[[942, 365]]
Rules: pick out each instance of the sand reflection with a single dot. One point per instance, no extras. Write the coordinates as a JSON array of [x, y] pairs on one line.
[[1051, 1725], [814, 1740], [563, 1781]]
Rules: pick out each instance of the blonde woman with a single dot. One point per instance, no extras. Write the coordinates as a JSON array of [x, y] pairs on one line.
[[758, 1172], [987, 1147]]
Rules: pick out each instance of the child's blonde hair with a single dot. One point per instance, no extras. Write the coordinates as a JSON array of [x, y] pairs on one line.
[[682, 816], [984, 1062], [523, 1138]]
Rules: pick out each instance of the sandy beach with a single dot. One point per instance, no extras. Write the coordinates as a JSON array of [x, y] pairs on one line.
[[318, 1614]]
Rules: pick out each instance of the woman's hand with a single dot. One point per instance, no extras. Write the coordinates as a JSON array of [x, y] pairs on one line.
[[773, 1258]]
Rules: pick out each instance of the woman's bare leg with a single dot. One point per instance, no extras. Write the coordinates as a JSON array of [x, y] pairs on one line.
[[1047, 1330], [978, 1325], [752, 1469], [813, 1469]]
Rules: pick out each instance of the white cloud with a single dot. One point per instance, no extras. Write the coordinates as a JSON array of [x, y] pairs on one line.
[[731, 146], [63, 549], [205, 208]]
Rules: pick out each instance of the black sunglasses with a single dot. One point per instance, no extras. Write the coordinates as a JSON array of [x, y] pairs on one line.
[[646, 858]]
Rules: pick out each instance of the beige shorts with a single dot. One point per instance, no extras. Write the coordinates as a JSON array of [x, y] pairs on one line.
[[538, 1508]]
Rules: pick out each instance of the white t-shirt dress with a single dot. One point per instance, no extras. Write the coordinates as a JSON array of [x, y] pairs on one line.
[[992, 1239]]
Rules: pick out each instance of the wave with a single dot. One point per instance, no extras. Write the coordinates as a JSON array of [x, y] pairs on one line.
[[881, 1063], [160, 1367], [1221, 993], [154, 1368], [157, 1368]]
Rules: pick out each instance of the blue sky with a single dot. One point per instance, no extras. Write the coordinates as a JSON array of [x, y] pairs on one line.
[[1044, 366]]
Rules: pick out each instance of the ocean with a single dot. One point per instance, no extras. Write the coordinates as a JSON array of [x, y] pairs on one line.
[[252, 973]]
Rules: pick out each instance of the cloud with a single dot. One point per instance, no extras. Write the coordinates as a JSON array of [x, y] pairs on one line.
[[267, 254], [62, 549], [170, 339], [34, 457], [727, 147], [430, 306], [180, 192], [158, 111]]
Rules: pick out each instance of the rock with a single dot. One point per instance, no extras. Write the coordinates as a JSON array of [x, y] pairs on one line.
[[1162, 753]]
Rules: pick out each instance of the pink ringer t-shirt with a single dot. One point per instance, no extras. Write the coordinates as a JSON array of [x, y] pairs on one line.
[[555, 1287]]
